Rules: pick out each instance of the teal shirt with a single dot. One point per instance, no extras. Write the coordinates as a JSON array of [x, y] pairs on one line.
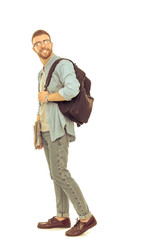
[[64, 81]]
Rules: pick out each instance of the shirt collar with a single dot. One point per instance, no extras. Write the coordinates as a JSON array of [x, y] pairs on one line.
[[50, 60]]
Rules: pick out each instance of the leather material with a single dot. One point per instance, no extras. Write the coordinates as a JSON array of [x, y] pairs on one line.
[[55, 223], [81, 227], [80, 107]]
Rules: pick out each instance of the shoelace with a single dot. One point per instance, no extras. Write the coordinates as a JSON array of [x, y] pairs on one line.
[[51, 219], [77, 222]]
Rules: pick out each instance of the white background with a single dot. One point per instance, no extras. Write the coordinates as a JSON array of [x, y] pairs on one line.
[[115, 159]]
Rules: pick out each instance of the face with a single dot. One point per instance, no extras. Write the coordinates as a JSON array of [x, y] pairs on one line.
[[42, 46]]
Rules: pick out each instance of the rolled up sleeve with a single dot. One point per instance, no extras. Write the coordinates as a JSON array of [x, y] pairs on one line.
[[68, 78]]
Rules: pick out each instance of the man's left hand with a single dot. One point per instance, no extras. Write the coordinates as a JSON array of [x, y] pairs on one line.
[[41, 96]]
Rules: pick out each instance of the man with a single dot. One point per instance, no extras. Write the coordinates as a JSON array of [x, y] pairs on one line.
[[56, 132]]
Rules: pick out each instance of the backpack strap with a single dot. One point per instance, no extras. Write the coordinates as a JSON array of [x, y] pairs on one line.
[[51, 71]]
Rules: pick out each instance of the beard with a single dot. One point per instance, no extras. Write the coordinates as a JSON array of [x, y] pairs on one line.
[[45, 53]]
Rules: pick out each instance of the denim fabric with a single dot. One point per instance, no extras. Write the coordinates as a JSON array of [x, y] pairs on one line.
[[65, 186]]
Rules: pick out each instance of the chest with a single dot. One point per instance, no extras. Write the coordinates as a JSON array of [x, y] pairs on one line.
[[55, 83]]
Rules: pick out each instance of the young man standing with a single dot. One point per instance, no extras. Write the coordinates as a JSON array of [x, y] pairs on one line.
[[56, 132]]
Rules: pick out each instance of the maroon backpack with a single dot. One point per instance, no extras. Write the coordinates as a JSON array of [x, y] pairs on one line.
[[79, 108]]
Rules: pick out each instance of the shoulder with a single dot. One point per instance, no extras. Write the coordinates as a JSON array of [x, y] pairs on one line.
[[65, 65]]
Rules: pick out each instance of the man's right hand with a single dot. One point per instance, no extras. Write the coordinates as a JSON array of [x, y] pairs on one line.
[[41, 146], [38, 117]]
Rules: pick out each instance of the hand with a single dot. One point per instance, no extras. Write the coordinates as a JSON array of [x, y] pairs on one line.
[[41, 96], [38, 117], [41, 146]]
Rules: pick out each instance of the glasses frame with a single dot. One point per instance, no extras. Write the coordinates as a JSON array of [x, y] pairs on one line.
[[36, 46]]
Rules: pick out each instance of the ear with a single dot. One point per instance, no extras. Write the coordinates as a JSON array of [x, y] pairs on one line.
[[34, 49]]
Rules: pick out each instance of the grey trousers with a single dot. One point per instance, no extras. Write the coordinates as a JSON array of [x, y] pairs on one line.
[[65, 186]]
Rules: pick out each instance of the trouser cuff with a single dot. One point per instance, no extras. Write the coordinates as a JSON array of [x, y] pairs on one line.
[[85, 216], [62, 214]]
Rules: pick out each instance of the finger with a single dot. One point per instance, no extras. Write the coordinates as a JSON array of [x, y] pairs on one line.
[[41, 146]]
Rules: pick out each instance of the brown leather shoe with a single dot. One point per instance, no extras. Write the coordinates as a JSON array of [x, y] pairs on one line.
[[55, 223], [81, 227]]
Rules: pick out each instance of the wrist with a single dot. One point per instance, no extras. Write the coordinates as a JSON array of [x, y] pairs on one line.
[[38, 117], [49, 98]]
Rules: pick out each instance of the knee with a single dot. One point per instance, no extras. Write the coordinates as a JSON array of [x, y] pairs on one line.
[[60, 175]]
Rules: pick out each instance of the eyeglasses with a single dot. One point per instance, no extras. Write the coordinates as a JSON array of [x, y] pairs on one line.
[[39, 44]]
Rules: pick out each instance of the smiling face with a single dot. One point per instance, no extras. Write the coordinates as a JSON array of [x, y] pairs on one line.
[[42, 45]]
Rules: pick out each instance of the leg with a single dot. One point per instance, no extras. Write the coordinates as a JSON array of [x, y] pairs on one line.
[[62, 201], [58, 151]]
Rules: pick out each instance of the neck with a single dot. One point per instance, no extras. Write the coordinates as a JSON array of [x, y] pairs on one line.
[[44, 61]]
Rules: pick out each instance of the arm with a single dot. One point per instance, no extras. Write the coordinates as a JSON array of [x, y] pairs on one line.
[[68, 78], [70, 85], [46, 97], [55, 97]]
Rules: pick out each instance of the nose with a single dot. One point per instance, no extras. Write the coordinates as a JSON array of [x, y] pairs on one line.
[[43, 45]]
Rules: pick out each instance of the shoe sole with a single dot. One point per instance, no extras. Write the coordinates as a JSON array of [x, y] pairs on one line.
[[52, 227]]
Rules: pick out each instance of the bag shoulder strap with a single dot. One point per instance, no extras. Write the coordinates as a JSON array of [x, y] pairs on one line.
[[52, 70]]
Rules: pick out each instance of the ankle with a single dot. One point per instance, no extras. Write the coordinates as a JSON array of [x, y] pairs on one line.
[[61, 218], [86, 219]]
